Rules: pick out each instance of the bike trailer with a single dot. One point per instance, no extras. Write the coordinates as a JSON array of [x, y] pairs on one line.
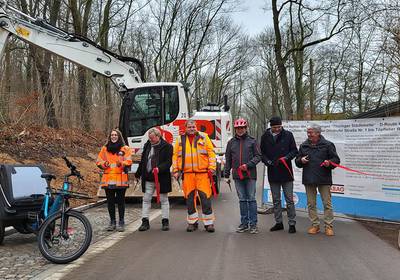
[[21, 192]]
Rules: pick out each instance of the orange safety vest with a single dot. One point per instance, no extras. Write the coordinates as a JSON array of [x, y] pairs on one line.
[[114, 175], [199, 155]]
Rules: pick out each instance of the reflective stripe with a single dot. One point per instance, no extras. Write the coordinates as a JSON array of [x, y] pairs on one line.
[[202, 151], [208, 219], [193, 218]]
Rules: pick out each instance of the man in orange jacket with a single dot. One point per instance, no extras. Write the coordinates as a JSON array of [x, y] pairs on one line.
[[193, 160]]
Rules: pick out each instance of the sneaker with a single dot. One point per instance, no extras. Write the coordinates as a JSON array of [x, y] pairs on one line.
[[165, 224], [276, 227], [145, 225], [313, 230], [192, 227], [111, 226], [329, 231], [210, 228], [242, 228], [121, 227], [253, 230], [292, 229]]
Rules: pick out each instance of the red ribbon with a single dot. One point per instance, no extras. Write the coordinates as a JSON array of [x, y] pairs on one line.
[[282, 159], [240, 173], [351, 170], [157, 183], [214, 190]]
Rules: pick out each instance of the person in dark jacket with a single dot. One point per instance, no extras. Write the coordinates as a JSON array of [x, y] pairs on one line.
[[317, 156], [278, 148], [242, 155], [156, 159]]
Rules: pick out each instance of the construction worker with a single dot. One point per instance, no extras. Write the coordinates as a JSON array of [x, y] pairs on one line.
[[194, 162], [242, 156], [114, 158]]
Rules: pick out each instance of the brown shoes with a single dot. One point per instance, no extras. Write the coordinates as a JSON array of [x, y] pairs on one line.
[[329, 231], [313, 230]]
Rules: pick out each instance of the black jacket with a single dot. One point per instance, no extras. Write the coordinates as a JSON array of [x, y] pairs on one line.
[[284, 146], [163, 160], [313, 172], [242, 150]]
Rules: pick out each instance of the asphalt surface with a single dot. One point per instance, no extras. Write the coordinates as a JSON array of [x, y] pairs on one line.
[[354, 253]]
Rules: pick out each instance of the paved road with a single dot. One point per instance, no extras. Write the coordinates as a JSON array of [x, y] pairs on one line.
[[354, 253]]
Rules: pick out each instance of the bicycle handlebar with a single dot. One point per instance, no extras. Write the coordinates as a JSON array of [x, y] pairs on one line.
[[74, 171]]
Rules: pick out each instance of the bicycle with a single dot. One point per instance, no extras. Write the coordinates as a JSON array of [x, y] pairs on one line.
[[64, 233]]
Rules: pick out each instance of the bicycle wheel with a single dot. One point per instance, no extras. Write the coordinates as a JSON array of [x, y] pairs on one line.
[[60, 243]]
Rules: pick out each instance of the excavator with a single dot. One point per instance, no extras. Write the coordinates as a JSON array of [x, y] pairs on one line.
[[145, 105]]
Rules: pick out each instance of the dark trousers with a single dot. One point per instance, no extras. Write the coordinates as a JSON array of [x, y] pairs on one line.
[[116, 196], [204, 201]]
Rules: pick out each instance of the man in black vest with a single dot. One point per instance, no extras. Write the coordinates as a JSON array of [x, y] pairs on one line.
[[278, 148]]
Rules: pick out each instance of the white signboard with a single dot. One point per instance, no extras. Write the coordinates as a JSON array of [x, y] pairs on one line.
[[370, 146]]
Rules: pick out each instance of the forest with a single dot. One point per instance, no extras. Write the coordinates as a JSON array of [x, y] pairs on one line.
[[328, 59]]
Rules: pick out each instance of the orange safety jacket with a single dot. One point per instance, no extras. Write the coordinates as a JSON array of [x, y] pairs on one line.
[[199, 155], [113, 174]]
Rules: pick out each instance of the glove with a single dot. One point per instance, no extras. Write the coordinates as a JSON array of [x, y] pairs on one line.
[[106, 164], [243, 167]]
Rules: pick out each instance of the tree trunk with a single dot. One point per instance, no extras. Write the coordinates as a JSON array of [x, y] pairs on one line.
[[287, 101]]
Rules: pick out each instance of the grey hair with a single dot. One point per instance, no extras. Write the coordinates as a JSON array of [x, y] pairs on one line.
[[155, 131], [315, 127], [190, 121]]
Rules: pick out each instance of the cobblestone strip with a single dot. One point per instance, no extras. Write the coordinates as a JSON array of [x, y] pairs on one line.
[[58, 272], [20, 257]]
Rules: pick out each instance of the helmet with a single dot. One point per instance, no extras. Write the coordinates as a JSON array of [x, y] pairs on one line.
[[240, 123]]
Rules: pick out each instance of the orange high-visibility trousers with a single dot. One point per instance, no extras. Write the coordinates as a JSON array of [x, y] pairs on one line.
[[196, 181]]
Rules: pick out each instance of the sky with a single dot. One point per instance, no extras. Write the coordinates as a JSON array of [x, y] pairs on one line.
[[254, 18]]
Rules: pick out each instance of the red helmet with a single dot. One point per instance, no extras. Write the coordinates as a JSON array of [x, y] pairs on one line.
[[240, 123]]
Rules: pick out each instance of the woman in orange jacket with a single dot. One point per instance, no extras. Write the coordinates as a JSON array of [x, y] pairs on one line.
[[115, 158]]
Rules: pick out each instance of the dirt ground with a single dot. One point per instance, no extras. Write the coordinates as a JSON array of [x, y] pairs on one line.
[[46, 146], [385, 231]]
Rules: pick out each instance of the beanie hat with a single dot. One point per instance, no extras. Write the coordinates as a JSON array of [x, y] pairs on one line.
[[275, 121]]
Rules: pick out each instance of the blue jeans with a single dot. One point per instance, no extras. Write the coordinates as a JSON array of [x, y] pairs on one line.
[[246, 191]]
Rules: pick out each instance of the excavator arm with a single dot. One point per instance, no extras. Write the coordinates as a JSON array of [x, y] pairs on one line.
[[77, 49]]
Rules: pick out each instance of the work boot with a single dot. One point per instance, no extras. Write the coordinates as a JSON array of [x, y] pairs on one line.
[[313, 230], [145, 225], [277, 226], [292, 229], [242, 228], [210, 228], [192, 227], [111, 226], [329, 231], [165, 224], [121, 226]]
